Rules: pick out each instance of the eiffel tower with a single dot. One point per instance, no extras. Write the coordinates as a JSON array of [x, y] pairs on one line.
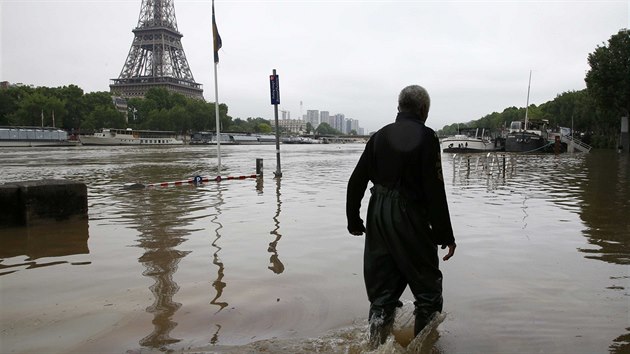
[[156, 57]]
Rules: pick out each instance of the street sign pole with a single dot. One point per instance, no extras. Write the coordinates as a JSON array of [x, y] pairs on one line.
[[274, 83]]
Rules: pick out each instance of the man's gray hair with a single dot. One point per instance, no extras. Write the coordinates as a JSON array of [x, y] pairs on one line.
[[414, 99]]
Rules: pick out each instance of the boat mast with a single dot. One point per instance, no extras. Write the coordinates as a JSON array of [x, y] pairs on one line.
[[527, 105]]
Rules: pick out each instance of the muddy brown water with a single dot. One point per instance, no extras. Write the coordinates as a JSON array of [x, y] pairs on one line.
[[267, 265]]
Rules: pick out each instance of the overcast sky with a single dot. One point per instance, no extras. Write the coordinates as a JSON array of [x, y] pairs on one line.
[[350, 57]]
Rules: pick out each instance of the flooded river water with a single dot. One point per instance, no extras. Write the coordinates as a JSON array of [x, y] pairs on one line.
[[266, 265]]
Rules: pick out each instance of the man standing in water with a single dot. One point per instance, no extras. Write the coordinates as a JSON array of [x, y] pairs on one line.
[[407, 216]]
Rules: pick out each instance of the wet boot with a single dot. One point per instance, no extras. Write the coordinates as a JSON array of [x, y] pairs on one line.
[[423, 318], [381, 325]]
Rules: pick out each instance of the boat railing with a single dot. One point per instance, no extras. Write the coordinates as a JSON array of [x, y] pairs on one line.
[[576, 143], [490, 164]]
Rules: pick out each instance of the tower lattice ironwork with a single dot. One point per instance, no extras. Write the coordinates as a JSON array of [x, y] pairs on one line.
[[156, 57]]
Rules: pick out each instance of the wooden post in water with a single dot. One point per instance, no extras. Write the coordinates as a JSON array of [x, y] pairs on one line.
[[259, 167]]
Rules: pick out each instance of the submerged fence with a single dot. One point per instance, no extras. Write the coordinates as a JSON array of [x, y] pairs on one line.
[[490, 164]]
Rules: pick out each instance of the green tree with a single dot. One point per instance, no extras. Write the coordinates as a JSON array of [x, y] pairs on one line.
[[104, 117], [199, 115], [37, 109], [72, 97], [326, 129], [608, 80], [608, 83], [263, 128]]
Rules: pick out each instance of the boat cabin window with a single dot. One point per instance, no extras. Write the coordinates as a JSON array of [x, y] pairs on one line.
[[516, 125]]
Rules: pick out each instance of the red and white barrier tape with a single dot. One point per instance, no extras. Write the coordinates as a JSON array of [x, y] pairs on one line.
[[198, 180]]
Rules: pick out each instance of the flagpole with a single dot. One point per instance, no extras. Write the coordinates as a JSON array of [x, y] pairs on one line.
[[216, 112], [216, 44]]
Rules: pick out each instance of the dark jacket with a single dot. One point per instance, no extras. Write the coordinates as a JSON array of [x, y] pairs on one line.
[[405, 156]]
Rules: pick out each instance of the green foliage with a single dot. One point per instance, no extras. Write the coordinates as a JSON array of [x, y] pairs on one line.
[[159, 110], [608, 81], [103, 116], [250, 125], [326, 129], [165, 110]]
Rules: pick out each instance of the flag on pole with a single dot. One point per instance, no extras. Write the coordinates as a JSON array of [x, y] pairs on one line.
[[216, 38]]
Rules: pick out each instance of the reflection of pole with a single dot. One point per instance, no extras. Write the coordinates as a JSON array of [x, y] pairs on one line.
[[276, 265], [218, 284]]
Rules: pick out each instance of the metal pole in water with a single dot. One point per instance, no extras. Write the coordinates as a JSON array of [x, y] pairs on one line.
[[274, 81]]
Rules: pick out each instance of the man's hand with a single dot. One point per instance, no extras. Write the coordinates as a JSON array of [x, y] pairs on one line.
[[451, 251], [356, 229]]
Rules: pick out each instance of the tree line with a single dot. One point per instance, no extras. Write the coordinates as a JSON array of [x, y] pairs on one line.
[[594, 111], [69, 108]]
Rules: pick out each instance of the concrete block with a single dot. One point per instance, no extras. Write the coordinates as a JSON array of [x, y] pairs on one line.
[[43, 201]]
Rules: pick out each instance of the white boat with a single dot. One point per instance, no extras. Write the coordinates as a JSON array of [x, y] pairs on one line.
[[469, 140], [254, 139], [131, 137], [300, 140], [34, 136], [209, 138]]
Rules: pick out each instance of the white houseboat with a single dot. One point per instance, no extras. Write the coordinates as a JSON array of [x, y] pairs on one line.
[[469, 140], [34, 136], [131, 137]]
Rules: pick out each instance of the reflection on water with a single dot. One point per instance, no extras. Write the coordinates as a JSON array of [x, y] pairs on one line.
[[43, 241], [596, 186], [156, 214], [160, 235], [218, 283], [275, 265], [606, 207]]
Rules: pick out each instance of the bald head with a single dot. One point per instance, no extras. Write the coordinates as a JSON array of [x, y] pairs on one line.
[[414, 99]]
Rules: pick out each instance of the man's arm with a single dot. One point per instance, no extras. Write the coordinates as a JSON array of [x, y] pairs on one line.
[[435, 193], [356, 189]]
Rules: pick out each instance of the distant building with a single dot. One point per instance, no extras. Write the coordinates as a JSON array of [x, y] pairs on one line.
[[312, 116], [324, 117], [121, 106], [352, 124], [296, 126], [338, 122]]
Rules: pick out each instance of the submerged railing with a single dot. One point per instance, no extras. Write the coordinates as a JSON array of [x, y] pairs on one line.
[[491, 163]]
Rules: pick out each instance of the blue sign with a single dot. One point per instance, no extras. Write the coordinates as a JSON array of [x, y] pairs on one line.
[[274, 84]]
